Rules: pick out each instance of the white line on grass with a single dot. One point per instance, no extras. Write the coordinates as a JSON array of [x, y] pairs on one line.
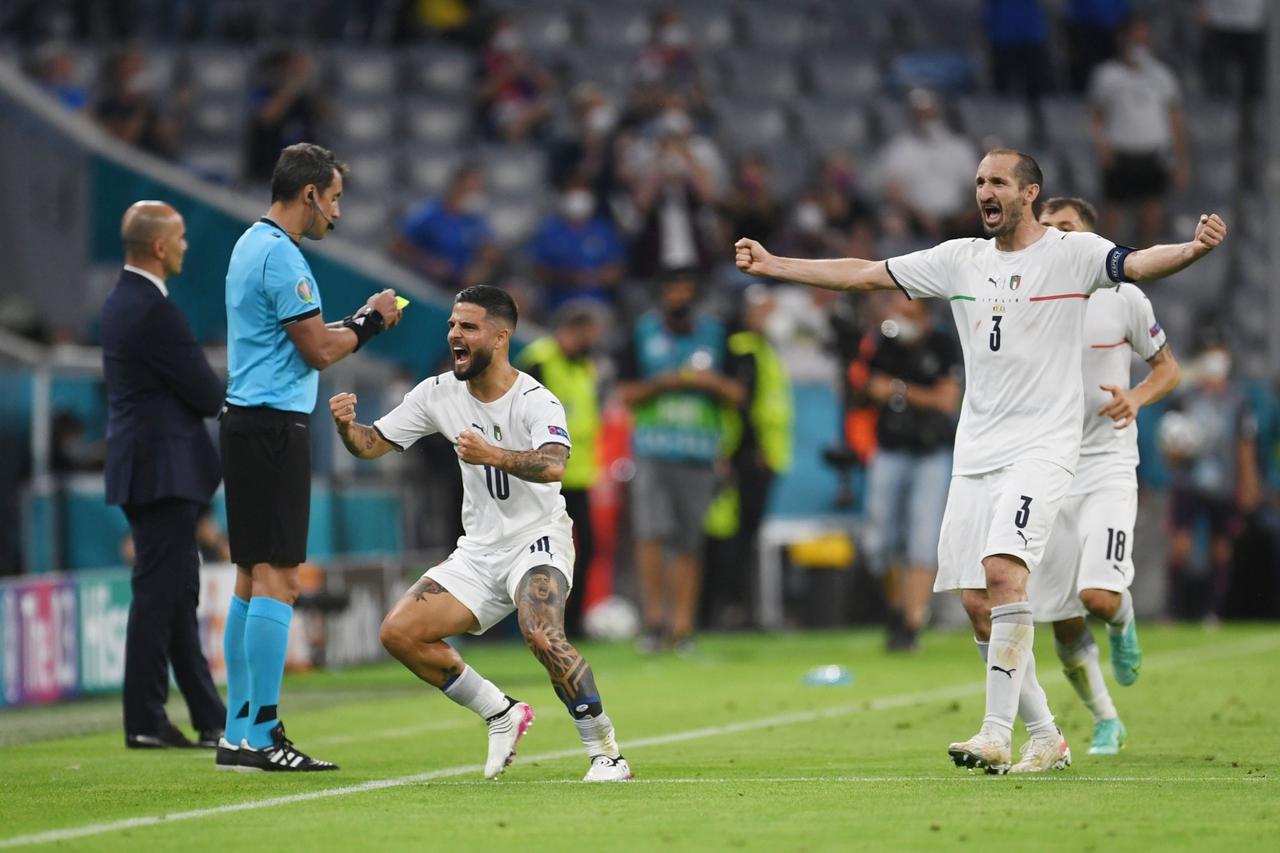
[[1197, 655], [1061, 778]]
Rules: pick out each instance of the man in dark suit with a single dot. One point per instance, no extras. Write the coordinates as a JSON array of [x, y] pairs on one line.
[[162, 470]]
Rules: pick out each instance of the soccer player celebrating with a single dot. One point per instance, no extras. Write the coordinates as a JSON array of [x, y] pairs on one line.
[[1018, 299], [1088, 563], [517, 549]]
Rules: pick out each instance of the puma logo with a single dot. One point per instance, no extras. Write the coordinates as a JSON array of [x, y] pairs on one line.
[[1025, 543], [1119, 569], [1008, 672], [994, 282]]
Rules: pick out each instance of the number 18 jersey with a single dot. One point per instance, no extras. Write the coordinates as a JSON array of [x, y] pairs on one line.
[[1020, 317], [498, 510]]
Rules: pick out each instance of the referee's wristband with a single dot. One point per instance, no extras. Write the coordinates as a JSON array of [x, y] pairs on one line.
[[365, 326]]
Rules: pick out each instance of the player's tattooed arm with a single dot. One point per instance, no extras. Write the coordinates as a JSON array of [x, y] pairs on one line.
[[541, 465], [540, 601], [544, 465], [360, 440]]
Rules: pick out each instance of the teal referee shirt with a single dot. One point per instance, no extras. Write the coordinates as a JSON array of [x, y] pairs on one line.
[[269, 286]]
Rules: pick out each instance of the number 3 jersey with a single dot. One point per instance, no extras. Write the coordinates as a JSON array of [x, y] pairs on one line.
[[498, 510], [1020, 317]]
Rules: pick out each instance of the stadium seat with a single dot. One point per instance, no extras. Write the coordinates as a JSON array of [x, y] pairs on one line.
[[218, 71], [839, 75], [513, 218], [623, 26], [365, 219], [711, 26], [218, 163], [365, 73], [546, 29], [771, 76], [513, 169], [996, 122], [217, 118], [748, 124], [429, 168], [365, 123], [778, 27], [609, 67], [1066, 118], [835, 125], [441, 71], [373, 171], [437, 121], [790, 168]]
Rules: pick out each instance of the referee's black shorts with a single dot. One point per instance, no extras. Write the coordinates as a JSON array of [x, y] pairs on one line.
[[266, 465]]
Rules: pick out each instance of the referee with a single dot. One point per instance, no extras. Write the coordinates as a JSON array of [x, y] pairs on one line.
[[277, 342]]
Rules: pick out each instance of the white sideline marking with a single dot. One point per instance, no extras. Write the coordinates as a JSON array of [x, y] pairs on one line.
[[1185, 656], [1047, 778]]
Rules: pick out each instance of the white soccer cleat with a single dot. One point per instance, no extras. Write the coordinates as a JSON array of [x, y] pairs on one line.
[[982, 751], [1043, 753], [606, 769], [505, 731]]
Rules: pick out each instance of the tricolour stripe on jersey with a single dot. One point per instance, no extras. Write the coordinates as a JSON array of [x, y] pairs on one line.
[[963, 299], [1108, 346], [1059, 296]]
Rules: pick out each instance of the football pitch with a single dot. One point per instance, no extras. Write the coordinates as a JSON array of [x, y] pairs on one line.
[[731, 751]]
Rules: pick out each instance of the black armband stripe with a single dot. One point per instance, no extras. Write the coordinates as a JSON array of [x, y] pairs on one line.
[[296, 317]]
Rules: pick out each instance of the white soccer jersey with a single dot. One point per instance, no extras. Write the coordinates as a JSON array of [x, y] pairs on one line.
[[1020, 317], [1118, 324], [498, 510]]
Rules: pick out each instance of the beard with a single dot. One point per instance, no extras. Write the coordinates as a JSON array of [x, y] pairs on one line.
[[1011, 219], [480, 361]]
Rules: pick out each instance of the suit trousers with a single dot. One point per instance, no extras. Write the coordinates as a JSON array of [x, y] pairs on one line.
[[162, 620]]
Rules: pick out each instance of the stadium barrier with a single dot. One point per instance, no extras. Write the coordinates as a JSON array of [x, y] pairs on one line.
[[63, 635]]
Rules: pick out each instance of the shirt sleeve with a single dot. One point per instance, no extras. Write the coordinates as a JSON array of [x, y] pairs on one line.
[[411, 420], [289, 286], [545, 419], [925, 273], [1096, 262], [1143, 331]]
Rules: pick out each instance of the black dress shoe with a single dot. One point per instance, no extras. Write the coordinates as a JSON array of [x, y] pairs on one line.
[[208, 738], [168, 737]]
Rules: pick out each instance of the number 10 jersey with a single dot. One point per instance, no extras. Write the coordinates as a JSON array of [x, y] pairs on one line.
[[498, 510]]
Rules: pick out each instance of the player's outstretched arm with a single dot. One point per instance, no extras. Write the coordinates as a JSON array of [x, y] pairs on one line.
[[541, 465], [1167, 259], [1125, 402], [844, 274], [362, 441]]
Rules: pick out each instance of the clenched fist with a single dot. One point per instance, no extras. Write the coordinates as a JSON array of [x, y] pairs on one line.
[[474, 450], [343, 408], [751, 257], [1210, 232]]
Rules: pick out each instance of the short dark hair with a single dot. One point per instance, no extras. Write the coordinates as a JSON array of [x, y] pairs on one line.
[[496, 302], [1027, 170], [301, 164], [1088, 213]]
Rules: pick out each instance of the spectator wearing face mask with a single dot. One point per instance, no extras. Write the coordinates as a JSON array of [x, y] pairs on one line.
[[447, 239], [577, 254], [586, 150], [1209, 444], [926, 172], [910, 374], [808, 234]]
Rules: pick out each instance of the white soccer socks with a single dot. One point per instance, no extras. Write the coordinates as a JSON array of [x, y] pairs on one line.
[[1081, 666], [1124, 615], [1033, 704], [597, 736], [1008, 654], [472, 690]]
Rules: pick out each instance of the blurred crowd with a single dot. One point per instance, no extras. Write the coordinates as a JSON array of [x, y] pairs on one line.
[[658, 138]]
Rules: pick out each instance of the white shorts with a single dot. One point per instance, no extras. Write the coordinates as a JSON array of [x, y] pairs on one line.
[[1007, 511], [485, 580], [1091, 548]]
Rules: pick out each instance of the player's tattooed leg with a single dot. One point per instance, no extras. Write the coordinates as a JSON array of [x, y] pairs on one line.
[[424, 587], [541, 599]]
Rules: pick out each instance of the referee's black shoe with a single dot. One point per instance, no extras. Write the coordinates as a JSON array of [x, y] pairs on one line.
[[281, 755], [166, 737]]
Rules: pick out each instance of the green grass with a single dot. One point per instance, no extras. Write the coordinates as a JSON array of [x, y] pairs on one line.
[[867, 771]]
